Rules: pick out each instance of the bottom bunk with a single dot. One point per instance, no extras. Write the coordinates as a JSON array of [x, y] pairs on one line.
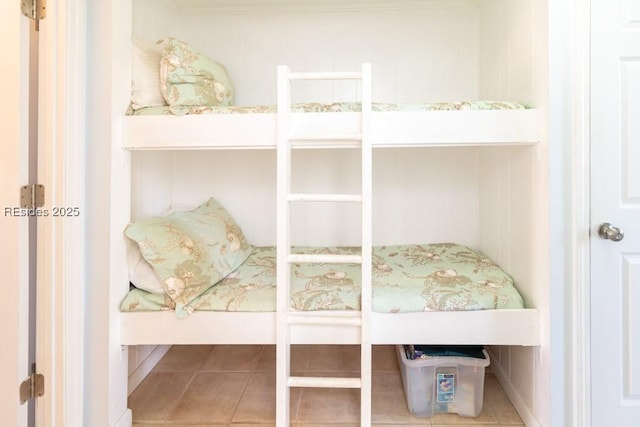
[[479, 327], [432, 293]]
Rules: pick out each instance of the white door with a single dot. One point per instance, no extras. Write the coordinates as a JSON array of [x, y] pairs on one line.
[[14, 250], [615, 199]]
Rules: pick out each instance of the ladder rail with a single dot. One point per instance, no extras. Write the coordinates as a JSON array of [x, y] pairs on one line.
[[285, 143], [367, 247], [283, 244]]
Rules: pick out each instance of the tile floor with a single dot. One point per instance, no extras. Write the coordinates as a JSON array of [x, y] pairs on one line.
[[235, 386]]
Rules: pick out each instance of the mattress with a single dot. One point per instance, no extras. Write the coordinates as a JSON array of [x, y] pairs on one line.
[[335, 107], [406, 278]]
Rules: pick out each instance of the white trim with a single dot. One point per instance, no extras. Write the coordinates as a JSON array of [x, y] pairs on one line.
[[126, 420], [257, 6], [147, 365], [579, 369], [60, 313], [74, 189], [511, 390]]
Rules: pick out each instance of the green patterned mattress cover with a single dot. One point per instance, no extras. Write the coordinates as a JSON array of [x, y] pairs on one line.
[[407, 278], [336, 107]]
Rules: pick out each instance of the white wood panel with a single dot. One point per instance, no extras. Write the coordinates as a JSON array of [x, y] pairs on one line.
[[630, 129], [418, 195], [630, 13], [423, 54], [630, 320], [507, 36], [153, 19]]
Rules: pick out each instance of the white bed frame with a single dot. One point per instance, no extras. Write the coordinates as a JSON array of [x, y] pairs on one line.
[[390, 130], [483, 327], [512, 62]]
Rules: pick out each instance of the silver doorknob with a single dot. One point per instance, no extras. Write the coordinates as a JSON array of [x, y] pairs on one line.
[[608, 231]]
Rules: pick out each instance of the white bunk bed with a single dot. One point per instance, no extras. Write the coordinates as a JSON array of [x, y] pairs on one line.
[[388, 130], [161, 160]]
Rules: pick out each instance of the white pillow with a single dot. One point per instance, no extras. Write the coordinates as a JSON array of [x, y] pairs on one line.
[[145, 77], [141, 273]]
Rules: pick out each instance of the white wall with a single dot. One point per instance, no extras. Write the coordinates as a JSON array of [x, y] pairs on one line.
[[426, 54], [420, 195]]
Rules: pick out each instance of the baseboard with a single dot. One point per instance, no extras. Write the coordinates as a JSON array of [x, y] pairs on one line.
[[146, 366], [126, 420], [523, 410]]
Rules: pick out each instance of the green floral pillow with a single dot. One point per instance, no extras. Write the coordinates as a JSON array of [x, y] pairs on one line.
[[191, 251], [189, 78]]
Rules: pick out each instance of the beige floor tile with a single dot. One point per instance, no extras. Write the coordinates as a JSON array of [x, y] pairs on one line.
[[384, 358], [506, 414], [468, 424], [422, 423], [486, 417], [329, 425], [334, 358], [232, 358], [493, 392], [180, 425], [388, 400], [258, 402], [236, 388], [497, 401], [158, 394], [327, 405], [184, 358], [252, 425], [299, 358], [211, 397]]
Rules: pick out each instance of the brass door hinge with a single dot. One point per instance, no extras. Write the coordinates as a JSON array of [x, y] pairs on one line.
[[34, 9], [32, 387], [32, 196]]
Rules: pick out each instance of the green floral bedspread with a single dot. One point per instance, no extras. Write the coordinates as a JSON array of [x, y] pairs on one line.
[[408, 278], [336, 107]]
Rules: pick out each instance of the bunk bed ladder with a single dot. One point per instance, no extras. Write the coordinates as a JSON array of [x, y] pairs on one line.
[[285, 317]]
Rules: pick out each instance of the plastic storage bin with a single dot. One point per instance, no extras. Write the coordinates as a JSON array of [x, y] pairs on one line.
[[443, 384]]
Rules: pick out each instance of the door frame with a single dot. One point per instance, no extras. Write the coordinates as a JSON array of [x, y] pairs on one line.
[[60, 318], [569, 189], [578, 262], [14, 251]]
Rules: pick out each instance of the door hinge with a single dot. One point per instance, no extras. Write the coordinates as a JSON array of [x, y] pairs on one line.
[[34, 9], [32, 196], [32, 387]]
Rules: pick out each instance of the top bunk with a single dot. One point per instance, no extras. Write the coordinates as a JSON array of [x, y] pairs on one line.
[[445, 73]]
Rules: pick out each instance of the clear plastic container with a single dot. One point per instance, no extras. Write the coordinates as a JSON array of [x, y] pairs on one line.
[[443, 384]]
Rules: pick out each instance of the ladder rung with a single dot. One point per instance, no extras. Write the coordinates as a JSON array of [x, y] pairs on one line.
[[325, 258], [297, 197], [327, 137], [328, 75], [324, 382], [310, 319]]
